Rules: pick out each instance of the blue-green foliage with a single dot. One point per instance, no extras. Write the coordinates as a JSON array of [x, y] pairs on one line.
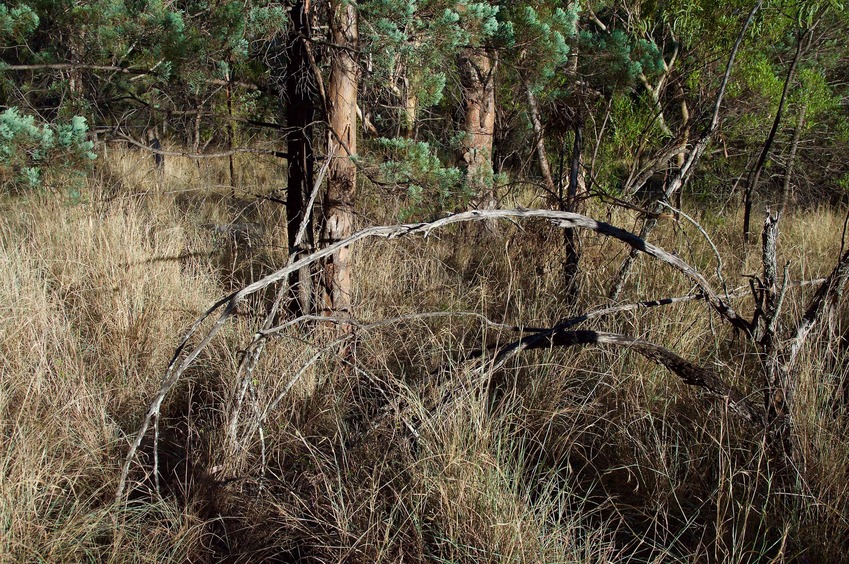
[[537, 37], [422, 39], [617, 59], [17, 22], [29, 151], [431, 187]]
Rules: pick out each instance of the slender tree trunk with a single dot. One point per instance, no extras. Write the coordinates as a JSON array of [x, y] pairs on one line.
[[477, 79], [196, 132], [410, 111], [231, 129], [752, 180], [571, 265], [338, 206], [196, 140], [539, 136], [686, 170], [681, 158], [791, 159], [300, 113]]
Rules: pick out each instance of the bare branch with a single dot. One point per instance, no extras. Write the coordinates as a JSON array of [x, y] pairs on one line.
[[561, 219], [706, 236], [689, 372], [827, 295]]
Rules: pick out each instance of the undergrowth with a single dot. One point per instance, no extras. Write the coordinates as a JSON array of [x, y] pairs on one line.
[[399, 452]]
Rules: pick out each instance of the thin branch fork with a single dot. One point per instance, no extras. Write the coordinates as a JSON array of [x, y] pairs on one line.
[[228, 304]]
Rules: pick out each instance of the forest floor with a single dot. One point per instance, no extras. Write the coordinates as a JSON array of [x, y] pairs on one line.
[[399, 451]]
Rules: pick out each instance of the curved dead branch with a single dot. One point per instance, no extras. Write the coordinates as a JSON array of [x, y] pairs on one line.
[[689, 372], [227, 305]]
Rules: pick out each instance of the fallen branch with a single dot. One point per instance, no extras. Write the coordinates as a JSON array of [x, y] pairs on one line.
[[829, 293], [689, 372], [228, 304]]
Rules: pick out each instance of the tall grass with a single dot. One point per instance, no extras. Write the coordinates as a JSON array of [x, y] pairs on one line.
[[401, 453]]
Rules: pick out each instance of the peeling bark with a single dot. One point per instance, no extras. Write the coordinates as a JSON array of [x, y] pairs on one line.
[[477, 78], [338, 205]]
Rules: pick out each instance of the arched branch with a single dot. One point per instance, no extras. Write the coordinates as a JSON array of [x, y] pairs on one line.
[[227, 305]]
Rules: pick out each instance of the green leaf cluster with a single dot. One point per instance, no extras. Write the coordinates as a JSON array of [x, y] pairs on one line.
[[17, 22], [431, 188], [30, 151], [613, 61]]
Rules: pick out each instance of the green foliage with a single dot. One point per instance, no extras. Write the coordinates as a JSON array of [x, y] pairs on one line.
[[816, 93], [538, 38], [431, 187], [614, 60], [757, 75], [419, 40], [17, 23], [31, 152]]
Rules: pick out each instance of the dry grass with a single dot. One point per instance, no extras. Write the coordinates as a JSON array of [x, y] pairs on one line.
[[406, 455]]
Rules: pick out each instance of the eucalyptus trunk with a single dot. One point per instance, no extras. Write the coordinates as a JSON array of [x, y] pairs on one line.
[[477, 79], [300, 114], [338, 205]]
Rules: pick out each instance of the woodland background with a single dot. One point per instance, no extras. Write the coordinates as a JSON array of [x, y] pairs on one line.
[[621, 338]]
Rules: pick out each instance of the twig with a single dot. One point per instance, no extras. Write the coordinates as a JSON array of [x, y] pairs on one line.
[[255, 349], [707, 238], [218, 155]]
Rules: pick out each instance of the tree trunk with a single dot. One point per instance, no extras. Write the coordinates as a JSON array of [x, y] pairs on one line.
[[300, 113], [681, 158], [410, 111], [539, 136], [477, 79], [231, 128], [791, 159], [338, 206], [571, 269], [751, 184]]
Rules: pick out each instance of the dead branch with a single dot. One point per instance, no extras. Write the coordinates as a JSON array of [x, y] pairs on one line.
[[689, 372], [227, 305], [255, 348], [823, 301], [705, 235], [682, 176], [115, 69]]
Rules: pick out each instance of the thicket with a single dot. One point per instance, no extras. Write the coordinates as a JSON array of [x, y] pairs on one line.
[[524, 382]]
